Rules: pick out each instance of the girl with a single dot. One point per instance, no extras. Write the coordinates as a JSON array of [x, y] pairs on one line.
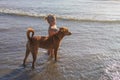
[[51, 19]]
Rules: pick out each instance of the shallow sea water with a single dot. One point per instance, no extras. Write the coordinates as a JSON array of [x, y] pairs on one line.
[[90, 53]]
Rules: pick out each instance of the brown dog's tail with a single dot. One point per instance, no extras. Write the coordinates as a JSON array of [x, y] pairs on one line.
[[30, 30]]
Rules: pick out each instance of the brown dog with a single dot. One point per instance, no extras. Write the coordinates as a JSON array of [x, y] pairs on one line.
[[35, 42]]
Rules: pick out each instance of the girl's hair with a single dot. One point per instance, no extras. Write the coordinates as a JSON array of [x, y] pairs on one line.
[[50, 18]]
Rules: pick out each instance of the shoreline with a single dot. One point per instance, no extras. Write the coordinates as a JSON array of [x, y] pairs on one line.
[[62, 18]]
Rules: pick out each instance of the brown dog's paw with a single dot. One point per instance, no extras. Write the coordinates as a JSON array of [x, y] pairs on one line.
[[55, 60], [24, 65], [33, 67]]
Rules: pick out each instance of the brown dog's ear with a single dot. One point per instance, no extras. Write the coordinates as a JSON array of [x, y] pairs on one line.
[[62, 29]]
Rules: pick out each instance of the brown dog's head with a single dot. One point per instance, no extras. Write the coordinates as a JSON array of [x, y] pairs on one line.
[[65, 30]]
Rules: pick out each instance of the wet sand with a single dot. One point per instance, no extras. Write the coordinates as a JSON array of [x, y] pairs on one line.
[[90, 53]]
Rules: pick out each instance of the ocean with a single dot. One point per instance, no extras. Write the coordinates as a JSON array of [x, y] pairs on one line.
[[90, 53], [93, 10]]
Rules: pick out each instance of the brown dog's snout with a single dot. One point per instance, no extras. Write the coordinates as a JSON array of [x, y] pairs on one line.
[[69, 33]]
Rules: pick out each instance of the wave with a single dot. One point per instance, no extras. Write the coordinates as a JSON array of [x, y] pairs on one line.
[[40, 15], [20, 12]]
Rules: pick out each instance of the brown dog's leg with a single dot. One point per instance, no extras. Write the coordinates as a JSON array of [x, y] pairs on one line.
[[55, 52], [26, 55], [34, 59], [48, 51], [51, 53], [34, 55]]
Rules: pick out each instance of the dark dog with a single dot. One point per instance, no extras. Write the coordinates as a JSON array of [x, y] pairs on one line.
[[35, 42]]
